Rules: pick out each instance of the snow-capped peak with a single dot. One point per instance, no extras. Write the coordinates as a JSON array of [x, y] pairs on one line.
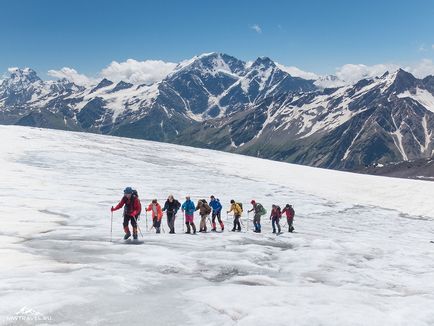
[[19, 75], [397, 81], [103, 83], [263, 63], [329, 81], [211, 64]]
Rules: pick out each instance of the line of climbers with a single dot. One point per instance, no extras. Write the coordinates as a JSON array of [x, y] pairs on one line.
[[132, 210]]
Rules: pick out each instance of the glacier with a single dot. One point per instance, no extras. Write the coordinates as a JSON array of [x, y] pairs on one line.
[[361, 254]]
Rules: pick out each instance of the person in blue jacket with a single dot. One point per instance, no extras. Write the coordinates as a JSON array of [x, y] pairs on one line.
[[188, 208], [216, 212]]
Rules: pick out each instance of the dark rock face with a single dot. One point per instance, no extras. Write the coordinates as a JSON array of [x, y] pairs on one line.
[[421, 169], [102, 84], [217, 101], [91, 112], [120, 86]]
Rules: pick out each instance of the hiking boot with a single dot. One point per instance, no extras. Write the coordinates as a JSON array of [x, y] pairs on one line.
[[239, 230], [233, 230], [188, 232], [223, 228], [213, 230], [135, 236], [127, 236]]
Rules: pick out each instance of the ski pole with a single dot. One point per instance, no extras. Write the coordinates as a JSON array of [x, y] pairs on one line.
[[162, 226], [138, 227], [146, 214], [183, 223], [111, 226]]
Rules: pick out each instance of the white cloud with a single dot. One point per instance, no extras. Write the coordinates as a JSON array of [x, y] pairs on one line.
[[296, 72], [150, 71], [422, 68], [256, 28], [138, 72], [72, 75], [132, 71], [351, 73], [432, 46]]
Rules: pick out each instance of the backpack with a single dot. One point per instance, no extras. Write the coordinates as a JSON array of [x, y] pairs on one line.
[[136, 194], [133, 196], [291, 209], [262, 210], [241, 206], [207, 208], [177, 204]]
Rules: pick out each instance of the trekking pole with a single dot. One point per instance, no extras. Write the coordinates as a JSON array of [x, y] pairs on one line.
[[183, 222], [146, 214], [111, 227], [138, 227]]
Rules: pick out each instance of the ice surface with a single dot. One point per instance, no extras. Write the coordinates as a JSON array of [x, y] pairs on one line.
[[361, 255]]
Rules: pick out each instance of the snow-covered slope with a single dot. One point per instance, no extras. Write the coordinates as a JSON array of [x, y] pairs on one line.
[[361, 254]]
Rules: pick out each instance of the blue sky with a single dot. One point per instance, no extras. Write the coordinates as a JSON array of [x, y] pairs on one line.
[[313, 35]]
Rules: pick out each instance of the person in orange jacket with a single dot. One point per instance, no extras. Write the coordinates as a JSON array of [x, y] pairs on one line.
[[157, 214]]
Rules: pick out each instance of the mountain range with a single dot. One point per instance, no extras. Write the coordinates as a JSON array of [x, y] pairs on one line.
[[255, 108]]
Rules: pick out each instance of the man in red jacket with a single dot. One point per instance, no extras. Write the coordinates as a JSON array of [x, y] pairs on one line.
[[132, 208], [290, 213]]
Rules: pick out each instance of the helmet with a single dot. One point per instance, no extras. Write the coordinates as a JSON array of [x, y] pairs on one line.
[[253, 202], [128, 191], [232, 201]]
